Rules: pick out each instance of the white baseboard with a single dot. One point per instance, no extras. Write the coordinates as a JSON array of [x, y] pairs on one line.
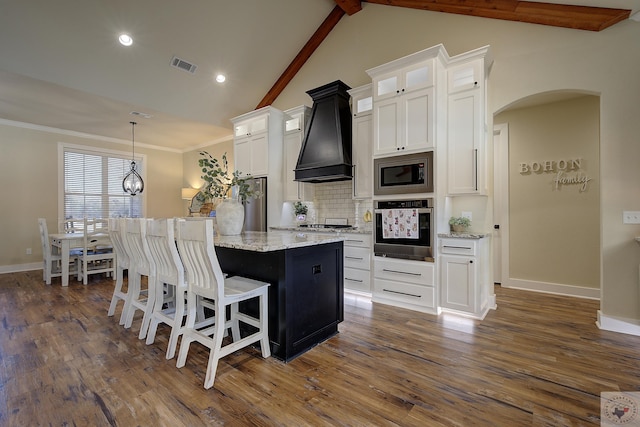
[[553, 288], [20, 267], [618, 324]]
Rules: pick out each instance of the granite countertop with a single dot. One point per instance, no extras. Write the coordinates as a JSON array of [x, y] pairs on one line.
[[465, 235], [274, 240], [337, 231]]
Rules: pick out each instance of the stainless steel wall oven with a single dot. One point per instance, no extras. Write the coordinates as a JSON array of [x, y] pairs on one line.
[[404, 229]]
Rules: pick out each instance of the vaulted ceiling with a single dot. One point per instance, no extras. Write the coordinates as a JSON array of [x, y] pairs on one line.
[[61, 67]]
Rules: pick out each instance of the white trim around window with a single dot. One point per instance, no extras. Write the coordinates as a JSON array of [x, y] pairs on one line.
[[110, 195]]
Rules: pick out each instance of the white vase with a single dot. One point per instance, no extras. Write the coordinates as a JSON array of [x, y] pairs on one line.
[[230, 217]]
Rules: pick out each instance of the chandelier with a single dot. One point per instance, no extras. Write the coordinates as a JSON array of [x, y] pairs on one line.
[[132, 182]]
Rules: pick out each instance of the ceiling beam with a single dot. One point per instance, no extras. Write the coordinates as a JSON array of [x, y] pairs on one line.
[[321, 33], [350, 6], [557, 15]]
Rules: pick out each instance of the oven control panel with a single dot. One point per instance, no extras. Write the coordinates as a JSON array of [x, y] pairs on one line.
[[404, 204]]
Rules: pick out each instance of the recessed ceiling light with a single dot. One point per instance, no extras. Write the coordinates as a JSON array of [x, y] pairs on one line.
[[220, 78], [125, 40]]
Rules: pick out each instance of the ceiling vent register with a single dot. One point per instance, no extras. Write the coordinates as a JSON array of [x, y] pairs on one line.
[[183, 65]]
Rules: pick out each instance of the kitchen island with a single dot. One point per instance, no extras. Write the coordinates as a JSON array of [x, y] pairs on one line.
[[305, 272]]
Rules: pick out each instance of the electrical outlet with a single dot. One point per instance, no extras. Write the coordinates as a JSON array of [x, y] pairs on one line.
[[467, 215], [28, 251], [631, 217]]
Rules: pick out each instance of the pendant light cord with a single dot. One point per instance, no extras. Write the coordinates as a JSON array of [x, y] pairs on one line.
[[133, 141]]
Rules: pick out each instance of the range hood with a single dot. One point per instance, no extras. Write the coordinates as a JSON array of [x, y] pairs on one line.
[[326, 149]]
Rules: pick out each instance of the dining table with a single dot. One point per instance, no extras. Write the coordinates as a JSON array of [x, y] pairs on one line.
[[66, 242]]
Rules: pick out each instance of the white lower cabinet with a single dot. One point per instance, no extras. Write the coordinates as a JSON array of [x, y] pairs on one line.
[[406, 284], [464, 278], [357, 262]]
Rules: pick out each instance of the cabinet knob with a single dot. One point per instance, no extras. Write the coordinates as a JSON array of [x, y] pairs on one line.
[[475, 83], [470, 261], [397, 91], [403, 148], [398, 148], [403, 89]]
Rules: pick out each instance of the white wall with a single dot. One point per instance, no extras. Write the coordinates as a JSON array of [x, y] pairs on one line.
[[29, 190]]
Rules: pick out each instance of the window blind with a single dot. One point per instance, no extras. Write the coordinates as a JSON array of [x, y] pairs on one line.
[[93, 185]]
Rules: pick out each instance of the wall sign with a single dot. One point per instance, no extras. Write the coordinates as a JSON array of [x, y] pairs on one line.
[[566, 172]]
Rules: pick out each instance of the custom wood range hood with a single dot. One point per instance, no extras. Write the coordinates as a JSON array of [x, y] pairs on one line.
[[326, 149]]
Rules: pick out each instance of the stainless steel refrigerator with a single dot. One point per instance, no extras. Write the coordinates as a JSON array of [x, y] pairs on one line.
[[255, 210]]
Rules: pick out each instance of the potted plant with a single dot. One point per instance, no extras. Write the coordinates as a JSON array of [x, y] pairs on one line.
[[222, 184], [300, 209], [459, 224], [229, 187]]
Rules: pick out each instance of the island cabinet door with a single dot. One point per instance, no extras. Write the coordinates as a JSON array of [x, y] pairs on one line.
[[315, 302]]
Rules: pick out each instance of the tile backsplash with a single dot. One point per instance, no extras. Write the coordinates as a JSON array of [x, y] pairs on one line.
[[333, 200]]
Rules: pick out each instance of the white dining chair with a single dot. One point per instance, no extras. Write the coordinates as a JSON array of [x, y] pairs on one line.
[[96, 255], [139, 265], [205, 279], [70, 226], [169, 280], [116, 229], [51, 257]]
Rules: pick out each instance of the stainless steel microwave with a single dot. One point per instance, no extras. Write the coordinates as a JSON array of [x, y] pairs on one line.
[[406, 174]]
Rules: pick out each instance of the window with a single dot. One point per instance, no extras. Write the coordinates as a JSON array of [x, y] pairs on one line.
[[92, 183]]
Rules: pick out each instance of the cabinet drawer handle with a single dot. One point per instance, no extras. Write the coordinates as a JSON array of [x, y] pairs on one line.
[[402, 272], [354, 241], [353, 280], [353, 257], [457, 247], [402, 293]]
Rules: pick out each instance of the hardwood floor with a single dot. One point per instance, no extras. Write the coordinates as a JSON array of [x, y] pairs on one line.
[[539, 360]]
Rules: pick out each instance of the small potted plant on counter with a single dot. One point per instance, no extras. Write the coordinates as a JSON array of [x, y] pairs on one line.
[[300, 209], [459, 224]]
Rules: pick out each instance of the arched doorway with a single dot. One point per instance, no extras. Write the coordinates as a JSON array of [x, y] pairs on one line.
[[548, 196]]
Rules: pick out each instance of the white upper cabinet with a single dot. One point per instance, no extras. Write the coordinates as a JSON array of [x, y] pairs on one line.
[[403, 80], [251, 126], [294, 126], [469, 75], [361, 101], [251, 143], [404, 103], [251, 155], [466, 149], [362, 141], [467, 123]]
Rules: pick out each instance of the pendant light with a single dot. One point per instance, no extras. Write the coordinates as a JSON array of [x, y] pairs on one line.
[[132, 182]]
